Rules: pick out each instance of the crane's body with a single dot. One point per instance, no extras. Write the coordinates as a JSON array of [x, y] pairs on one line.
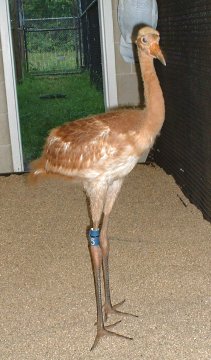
[[100, 151], [96, 147]]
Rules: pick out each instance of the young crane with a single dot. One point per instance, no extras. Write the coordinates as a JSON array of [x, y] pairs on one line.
[[100, 151]]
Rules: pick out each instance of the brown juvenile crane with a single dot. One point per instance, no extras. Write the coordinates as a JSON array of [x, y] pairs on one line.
[[100, 151]]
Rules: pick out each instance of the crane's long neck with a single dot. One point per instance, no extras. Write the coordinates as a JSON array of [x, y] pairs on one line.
[[155, 107]]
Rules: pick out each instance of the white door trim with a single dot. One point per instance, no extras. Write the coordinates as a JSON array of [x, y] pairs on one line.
[[10, 85], [108, 53]]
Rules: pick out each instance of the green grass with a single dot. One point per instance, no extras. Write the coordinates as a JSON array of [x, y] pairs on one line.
[[38, 116], [50, 61]]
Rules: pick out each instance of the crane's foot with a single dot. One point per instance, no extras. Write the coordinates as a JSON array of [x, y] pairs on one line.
[[112, 309], [104, 332]]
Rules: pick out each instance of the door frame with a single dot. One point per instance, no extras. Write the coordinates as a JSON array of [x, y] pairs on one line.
[[108, 53], [108, 65], [10, 86]]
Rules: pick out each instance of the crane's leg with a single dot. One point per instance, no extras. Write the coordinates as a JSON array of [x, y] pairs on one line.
[[96, 195], [111, 196]]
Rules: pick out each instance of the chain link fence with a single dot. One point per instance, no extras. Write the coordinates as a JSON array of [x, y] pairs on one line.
[[52, 45], [57, 45]]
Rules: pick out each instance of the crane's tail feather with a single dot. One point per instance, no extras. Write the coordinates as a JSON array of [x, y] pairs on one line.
[[37, 171]]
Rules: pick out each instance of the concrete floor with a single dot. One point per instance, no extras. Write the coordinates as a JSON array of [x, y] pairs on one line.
[[160, 263]]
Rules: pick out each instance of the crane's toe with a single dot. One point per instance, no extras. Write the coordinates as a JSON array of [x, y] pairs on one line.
[[112, 309], [104, 332]]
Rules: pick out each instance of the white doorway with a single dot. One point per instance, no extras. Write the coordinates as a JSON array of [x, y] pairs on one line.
[[10, 85], [108, 65]]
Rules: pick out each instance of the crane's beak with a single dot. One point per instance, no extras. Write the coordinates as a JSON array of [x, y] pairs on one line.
[[156, 52]]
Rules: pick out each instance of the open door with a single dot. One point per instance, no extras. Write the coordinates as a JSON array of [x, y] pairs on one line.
[[10, 85], [108, 53], [108, 66]]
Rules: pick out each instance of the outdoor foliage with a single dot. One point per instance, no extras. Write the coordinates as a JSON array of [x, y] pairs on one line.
[[52, 45], [53, 51], [50, 8], [43, 62], [38, 116]]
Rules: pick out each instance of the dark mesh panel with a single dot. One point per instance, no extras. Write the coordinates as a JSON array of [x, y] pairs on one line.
[[91, 41], [184, 148]]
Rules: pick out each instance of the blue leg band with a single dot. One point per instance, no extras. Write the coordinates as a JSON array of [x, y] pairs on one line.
[[94, 237]]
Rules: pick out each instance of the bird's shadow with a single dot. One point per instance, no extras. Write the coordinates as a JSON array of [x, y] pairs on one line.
[[137, 64]]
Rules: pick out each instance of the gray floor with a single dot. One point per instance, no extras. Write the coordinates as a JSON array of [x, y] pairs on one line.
[[160, 263]]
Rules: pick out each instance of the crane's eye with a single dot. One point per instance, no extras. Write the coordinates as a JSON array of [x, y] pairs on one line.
[[144, 40]]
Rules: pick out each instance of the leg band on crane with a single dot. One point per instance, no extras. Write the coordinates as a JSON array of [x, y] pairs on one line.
[[94, 237]]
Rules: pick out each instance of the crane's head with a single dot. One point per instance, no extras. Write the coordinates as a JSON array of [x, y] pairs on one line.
[[148, 41]]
